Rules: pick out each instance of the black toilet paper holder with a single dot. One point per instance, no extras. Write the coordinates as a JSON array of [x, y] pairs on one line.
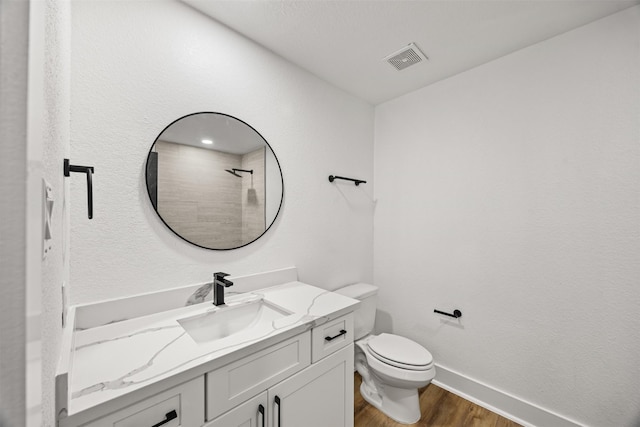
[[456, 313]]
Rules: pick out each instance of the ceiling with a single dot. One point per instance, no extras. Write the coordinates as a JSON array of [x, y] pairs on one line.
[[344, 41]]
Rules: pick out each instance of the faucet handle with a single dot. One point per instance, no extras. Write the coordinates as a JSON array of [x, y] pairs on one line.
[[219, 279]]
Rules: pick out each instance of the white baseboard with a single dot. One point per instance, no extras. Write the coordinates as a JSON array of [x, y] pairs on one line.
[[504, 404]]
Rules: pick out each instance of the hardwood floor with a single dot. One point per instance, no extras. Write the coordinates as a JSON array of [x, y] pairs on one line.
[[439, 408]]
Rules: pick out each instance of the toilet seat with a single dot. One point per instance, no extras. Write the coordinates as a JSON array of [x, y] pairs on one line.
[[400, 352], [395, 376]]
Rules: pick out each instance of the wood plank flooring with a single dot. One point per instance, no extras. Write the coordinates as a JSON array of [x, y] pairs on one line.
[[439, 408]]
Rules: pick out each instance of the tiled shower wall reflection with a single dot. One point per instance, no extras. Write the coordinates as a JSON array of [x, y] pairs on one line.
[[205, 204]]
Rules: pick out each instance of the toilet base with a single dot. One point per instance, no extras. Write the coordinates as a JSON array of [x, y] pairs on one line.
[[400, 404]]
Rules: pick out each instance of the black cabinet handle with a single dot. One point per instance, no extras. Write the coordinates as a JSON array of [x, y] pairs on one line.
[[261, 410], [68, 168], [342, 332], [277, 400], [168, 417]]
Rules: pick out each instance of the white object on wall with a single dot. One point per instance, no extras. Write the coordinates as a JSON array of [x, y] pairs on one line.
[[47, 212]]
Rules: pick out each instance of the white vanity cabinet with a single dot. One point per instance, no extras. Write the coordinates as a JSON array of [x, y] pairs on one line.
[[292, 391]]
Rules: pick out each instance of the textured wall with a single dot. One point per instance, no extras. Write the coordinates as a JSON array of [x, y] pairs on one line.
[[14, 30], [136, 67], [510, 192]]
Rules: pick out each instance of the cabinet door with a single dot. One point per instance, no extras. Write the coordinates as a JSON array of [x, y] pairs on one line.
[[318, 396], [252, 413]]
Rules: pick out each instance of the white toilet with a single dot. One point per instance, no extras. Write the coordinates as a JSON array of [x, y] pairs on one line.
[[392, 367]]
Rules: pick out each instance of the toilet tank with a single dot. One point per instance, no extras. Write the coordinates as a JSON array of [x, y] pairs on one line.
[[365, 315]]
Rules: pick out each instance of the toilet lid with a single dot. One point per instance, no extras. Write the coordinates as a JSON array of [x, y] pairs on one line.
[[400, 351]]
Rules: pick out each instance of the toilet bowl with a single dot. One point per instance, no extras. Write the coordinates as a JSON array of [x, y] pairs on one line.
[[392, 367], [392, 385]]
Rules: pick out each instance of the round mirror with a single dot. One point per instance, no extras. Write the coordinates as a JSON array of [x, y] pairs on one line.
[[214, 181]]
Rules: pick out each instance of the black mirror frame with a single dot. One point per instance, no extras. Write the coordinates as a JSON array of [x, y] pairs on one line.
[[160, 216]]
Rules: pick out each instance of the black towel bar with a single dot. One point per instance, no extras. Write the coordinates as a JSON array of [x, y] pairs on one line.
[[356, 181]]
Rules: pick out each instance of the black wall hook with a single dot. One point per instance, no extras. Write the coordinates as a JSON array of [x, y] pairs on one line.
[[456, 313], [356, 181], [68, 168]]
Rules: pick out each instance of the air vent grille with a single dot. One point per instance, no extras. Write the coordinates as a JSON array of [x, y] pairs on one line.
[[406, 57]]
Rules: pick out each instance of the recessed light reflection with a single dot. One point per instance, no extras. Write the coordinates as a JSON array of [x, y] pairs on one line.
[[207, 141]]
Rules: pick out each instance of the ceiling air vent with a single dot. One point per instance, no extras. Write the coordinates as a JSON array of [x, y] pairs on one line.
[[405, 57]]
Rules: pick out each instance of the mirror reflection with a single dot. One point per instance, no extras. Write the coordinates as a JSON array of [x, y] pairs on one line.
[[214, 180]]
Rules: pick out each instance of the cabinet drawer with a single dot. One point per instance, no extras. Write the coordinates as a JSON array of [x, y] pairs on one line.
[[181, 406], [236, 382], [332, 336]]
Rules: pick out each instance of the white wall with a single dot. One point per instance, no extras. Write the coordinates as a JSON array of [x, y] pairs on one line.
[[136, 67], [510, 191], [51, 106], [14, 31]]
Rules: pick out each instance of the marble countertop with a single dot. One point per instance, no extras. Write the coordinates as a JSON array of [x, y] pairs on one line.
[[111, 361]]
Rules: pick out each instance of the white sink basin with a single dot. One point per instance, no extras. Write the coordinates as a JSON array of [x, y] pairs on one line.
[[230, 320]]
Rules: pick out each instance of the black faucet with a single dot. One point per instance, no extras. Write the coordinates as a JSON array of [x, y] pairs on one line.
[[219, 283]]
